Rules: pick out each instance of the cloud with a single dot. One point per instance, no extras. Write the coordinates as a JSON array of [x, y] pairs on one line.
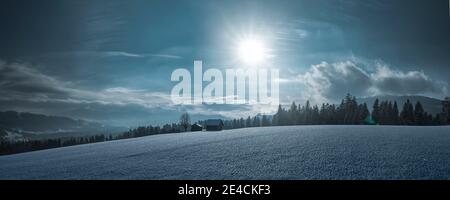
[[20, 81], [296, 31], [386, 80], [116, 54], [17, 79], [25, 89], [329, 82], [133, 55], [120, 53], [165, 56]]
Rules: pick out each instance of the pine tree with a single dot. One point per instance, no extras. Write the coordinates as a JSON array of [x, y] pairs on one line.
[[363, 114], [376, 111], [256, 122], [323, 114], [350, 110], [389, 115], [340, 113], [248, 122], [395, 113], [383, 110], [354, 110], [407, 114], [315, 115], [276, 120], [292, 114], [265, 121], [301, 115], [307, 113], [419, 114]]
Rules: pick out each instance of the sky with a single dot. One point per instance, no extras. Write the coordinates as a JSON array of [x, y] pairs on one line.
[[111, 61]]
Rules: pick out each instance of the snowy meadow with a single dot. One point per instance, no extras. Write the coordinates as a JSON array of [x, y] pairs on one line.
[[288, 152]]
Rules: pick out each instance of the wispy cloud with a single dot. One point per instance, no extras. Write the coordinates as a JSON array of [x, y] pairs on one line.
[[135, 55], [112, 54], [117, 53], [165, 56], [19, 81]]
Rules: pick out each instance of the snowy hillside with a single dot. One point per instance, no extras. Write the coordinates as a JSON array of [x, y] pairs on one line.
[[297, 152]]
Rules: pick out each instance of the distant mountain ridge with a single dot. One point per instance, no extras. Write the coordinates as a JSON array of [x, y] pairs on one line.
[[30, 125], [430, 105], [31, 122]]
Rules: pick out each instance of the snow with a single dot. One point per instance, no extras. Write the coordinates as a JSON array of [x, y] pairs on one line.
[[294, 152]]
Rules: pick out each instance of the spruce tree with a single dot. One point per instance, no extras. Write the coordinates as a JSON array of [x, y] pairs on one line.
[[276, 120], [376, 111], [363, 114], [395, 113], [419, 114], [292, 114], [390, 118], [407, 114], [248, 122], [315, 115], [307, 113], [265, 121], [256, 122]]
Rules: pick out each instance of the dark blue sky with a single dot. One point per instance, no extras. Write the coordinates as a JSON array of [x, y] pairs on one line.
[[111, 60]]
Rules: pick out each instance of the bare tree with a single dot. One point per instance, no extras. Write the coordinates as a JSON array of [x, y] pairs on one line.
[[185, 121]]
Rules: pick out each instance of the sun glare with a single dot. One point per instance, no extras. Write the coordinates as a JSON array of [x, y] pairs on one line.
[[252, 51]]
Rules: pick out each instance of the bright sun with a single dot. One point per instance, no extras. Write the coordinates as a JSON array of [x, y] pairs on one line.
[[252, 51]]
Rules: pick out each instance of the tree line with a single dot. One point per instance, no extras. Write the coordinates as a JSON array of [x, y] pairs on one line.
[[12, 147], [348, 112]]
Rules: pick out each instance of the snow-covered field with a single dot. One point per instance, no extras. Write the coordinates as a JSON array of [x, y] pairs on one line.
[[296, 152]]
